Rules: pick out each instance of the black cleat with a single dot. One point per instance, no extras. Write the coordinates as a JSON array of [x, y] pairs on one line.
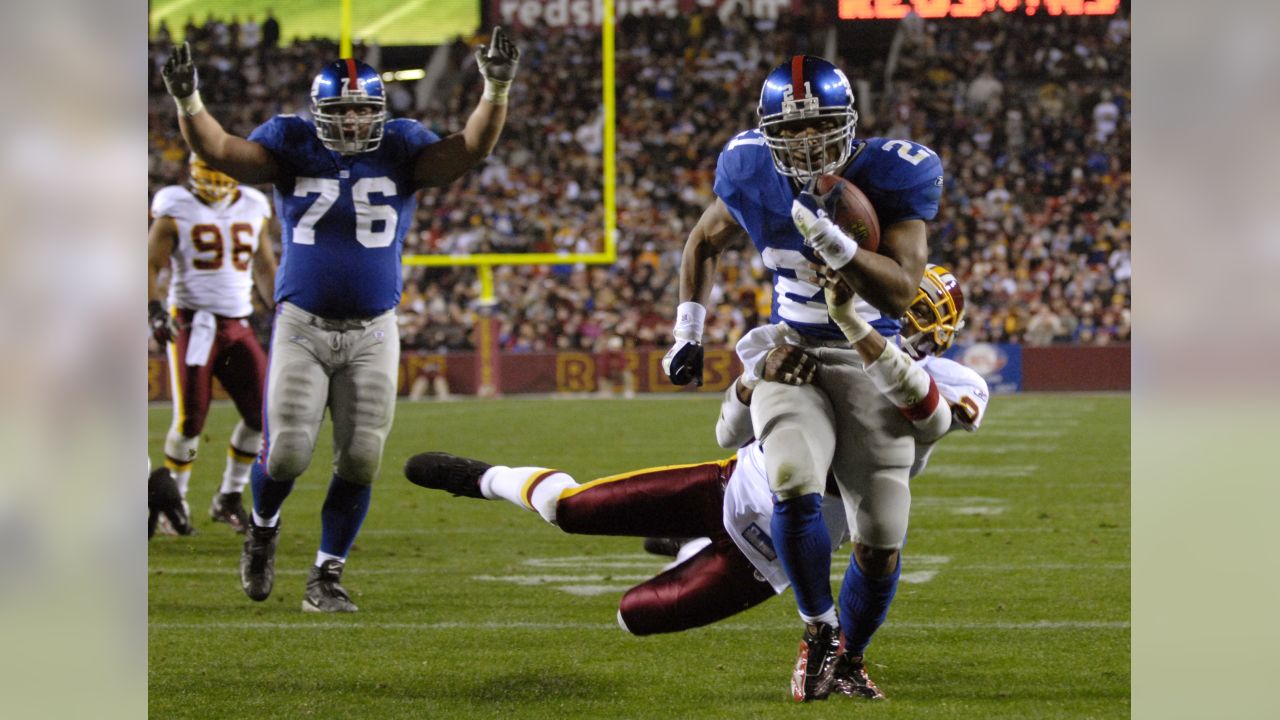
[[229, 508], [324, 590], [813, 675], [258, 561], [851, 679], [442, 471], [166, 510], [669, 547]]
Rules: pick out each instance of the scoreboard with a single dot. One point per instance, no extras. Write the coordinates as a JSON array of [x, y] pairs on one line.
[[897, 9]]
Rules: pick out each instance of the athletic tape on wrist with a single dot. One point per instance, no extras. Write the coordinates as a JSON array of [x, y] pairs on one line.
[[191, 105], [496, 91]]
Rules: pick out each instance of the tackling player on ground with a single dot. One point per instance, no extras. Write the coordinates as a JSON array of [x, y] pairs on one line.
[[345, 187], [763, 185], [213, 238], [728, 503]]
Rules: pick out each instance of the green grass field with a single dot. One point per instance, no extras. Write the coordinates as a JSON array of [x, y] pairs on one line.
[[1014, 601]]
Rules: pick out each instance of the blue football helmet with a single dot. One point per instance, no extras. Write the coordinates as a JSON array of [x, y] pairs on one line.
[[349, 106], [807, 117]]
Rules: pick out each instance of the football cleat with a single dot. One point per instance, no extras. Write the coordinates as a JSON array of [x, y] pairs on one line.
[[324, 589], [442, 471], [851, 679], [813, 675], [229, 508], [258, 561]]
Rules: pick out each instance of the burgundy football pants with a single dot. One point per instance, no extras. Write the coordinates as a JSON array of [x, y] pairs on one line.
[[679, 501]]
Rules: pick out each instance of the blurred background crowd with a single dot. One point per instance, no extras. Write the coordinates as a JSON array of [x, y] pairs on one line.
[[1031, 120]]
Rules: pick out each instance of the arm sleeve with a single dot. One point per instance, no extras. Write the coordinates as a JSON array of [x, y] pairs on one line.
[[733, 428]]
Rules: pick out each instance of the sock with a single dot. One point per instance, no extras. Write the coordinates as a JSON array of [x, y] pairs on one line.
[[532, 488], [322, 556], [268, 495], [804, 548], [236, 476], [864, 603], [342, 515], [241, 452], [182, 478], [829, 617]]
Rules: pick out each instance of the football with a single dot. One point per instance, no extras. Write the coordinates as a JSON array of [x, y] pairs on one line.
[[851, 210]]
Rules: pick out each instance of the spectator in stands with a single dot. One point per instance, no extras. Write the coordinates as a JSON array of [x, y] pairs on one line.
[[1037, 204]]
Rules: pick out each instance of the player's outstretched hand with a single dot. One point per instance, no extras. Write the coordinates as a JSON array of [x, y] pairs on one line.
[[498, 60], [179, 72], [164, 328], [789, 364], [683, 363]]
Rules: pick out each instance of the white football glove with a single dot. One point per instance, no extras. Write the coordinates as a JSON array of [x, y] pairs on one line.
[[825, 237]]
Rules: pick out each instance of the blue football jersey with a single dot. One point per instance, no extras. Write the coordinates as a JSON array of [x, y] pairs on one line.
[[902, 179], [343, 217]]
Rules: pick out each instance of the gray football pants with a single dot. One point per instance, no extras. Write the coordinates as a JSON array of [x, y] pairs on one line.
[[840, 423], [347, 366]]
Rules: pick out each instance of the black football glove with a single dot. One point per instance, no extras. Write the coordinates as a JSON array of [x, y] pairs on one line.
[[498, 60], [179, 72], [683, 363], [164, 499], [164, 328]]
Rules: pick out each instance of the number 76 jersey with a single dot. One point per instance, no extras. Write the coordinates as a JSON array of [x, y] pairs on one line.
[[343, 218], [213, 251]]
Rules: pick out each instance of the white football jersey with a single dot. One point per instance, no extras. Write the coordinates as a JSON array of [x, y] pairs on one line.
[[748, 503], [213, 255]]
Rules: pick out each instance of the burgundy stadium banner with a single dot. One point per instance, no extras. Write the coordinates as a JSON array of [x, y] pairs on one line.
[[427, 375], [590, 13]]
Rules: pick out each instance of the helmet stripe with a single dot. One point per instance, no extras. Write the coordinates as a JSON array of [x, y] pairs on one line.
[[797, 77], [352, 84]]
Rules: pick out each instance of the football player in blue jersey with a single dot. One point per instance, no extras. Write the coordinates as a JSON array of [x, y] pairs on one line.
[[345, 192], [763, 186]]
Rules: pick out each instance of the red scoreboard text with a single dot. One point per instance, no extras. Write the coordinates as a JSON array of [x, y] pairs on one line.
[[894, 9]]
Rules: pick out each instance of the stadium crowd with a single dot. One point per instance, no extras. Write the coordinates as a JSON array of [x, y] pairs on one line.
[[1030, 117]]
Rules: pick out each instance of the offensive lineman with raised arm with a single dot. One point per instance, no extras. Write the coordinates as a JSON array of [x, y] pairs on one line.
[[763, 185], [345, 190]]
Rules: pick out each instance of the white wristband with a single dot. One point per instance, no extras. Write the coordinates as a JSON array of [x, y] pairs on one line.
[[495, 91], [190, 105], [691, 317], [832, 245]]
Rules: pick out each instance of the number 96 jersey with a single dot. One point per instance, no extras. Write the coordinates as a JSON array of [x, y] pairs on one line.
[[343, 218], [214, 250]]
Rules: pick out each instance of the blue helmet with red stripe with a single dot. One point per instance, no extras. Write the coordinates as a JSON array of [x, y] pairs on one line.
[[349, 106], [807, 117]]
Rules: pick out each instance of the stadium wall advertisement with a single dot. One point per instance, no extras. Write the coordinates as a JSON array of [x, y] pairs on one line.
[[1008, 368]]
